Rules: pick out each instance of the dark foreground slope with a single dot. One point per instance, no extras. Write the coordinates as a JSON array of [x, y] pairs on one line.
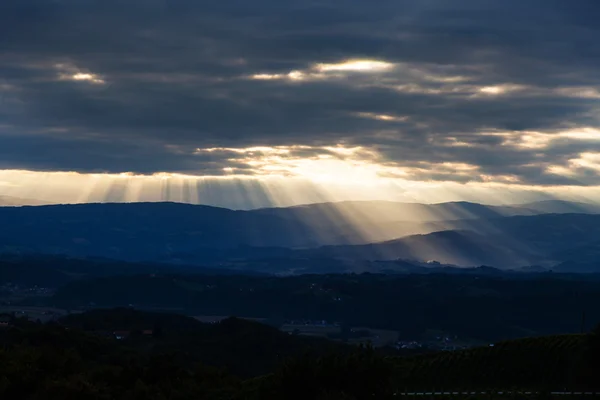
[[542, 363], [57, 362], [245, 348], [142, 231]]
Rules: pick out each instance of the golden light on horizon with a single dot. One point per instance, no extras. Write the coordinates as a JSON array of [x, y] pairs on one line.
[[287, 175], [376, 222]]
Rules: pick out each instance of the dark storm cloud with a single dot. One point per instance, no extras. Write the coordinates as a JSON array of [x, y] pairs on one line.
[[175, 77]]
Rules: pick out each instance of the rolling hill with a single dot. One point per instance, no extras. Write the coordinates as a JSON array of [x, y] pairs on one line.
[[210, 236], [364, 222], [533, 364], [561, 207], [142, 231], [389, 210], [464, 248]]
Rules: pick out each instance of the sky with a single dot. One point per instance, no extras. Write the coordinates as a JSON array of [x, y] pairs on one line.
[[251, 103]]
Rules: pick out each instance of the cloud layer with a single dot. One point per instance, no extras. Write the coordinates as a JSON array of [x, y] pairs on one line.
[[427, 90]]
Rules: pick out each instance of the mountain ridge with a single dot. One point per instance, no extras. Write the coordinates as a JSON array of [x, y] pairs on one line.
[[206, 235]]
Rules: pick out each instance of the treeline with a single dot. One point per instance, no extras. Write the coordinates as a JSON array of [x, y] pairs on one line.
[[487, 308], [245, 348], [63, 362], [58, 362], [52, 363], [537, 364]]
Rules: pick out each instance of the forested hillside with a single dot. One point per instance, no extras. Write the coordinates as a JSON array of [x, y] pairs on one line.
[[61, 361], [543, 363], [488, 308]]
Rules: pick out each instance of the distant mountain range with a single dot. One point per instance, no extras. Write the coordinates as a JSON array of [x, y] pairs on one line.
[[557, 234], [363, 222], [417, 212], [465, 248]]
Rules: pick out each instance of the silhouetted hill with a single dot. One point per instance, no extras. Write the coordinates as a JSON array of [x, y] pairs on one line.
[[60, 361], [211, 236], [450, 247], [380, 211], [363, 222], [142, 231], [546, 233], [509, 242], [246, 348], [533, 364], [127, 319], [561, 207]]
